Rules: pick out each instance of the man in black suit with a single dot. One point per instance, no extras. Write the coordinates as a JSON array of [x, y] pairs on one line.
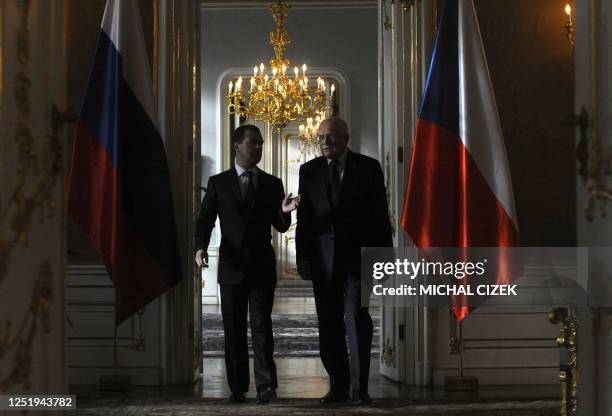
[[343, 208], [248, 201]]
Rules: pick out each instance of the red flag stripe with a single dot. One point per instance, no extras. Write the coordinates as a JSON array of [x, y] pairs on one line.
[[448, 202], [101, 216]]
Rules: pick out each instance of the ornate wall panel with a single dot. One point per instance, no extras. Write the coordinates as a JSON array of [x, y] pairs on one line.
[[31, 197]]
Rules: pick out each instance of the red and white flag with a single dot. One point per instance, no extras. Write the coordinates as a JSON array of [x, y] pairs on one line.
[[459, 191]]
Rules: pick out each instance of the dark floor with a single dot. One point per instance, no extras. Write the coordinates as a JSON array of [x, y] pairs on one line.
[[183, 401], [302, 380]]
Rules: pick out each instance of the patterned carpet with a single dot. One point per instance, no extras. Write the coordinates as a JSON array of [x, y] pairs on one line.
[[295, 335], [160, 406], [293, 289]]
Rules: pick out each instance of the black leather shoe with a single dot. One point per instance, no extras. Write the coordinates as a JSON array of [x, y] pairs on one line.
[[265, 393], [361, 398], [334, 397], [236, 398]]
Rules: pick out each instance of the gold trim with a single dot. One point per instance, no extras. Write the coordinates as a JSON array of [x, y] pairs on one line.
[[568, 340], [282, 96], [20, 209], [387, 354], [23, 339], [24, 204]]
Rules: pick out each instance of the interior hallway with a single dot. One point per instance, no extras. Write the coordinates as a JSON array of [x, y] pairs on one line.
[[301, 373], [303, 380]]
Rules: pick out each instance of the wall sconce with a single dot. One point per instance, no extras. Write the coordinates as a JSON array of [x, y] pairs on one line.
[[569, 25]]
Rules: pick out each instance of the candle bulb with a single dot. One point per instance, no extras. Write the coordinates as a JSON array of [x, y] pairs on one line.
[[568, 12], [261, 68], [274, 72], [266, 79], [304, 69], [231, 84], [296, 71], [239, 84], [252, 82], [255, 71], [333, 88]]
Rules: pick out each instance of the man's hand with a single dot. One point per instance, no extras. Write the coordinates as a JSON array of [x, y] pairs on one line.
[[201, 258], [303, 269], [289, 204]]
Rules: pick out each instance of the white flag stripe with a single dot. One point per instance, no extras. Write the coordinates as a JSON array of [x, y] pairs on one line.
[[123, 25], [479, 125]]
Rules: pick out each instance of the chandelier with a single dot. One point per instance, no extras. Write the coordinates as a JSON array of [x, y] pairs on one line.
[[278, 97]]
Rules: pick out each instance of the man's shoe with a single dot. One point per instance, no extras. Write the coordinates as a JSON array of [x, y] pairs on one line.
[[361, 398], [236, 398], [334, 397], [265, 393]]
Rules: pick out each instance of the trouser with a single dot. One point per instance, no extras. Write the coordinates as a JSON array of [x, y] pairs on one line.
[[341, 319], [236, 300]]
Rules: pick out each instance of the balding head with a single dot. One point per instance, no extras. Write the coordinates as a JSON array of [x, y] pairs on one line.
[[335, 123], [333, 137]]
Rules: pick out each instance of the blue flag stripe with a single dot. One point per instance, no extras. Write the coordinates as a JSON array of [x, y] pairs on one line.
[[102, 106], [441, 97]]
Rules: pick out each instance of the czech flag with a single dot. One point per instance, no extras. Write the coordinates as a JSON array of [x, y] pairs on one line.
[[459, 191], [119, 183]]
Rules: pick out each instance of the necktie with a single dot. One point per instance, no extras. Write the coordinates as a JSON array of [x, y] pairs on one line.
[[333, 182], [249, 188]]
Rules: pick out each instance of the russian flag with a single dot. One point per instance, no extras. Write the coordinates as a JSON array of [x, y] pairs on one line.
[[459, 191], [119, 183]]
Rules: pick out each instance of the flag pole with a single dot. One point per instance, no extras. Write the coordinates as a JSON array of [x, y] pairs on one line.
[[461, 348], [115, 382], [116, 353], [460, 382]]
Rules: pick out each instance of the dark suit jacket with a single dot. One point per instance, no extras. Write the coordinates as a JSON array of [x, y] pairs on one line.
[[245, 233], [360, 220]]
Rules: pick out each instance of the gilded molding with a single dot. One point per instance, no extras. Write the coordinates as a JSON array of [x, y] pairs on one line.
[[32, 194], [19, 210], [568, 340], [21, 342], [387, 355]]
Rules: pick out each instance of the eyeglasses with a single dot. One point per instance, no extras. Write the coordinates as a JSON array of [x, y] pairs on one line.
[[322, 138]]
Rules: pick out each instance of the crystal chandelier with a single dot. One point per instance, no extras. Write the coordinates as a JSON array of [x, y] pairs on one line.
[[278, 97], [309, 130]]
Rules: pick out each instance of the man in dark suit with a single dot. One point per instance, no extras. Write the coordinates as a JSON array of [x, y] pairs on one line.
[[248, 201], [343, 208]]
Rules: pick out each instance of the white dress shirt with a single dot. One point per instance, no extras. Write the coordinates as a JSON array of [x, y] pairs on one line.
[[242, 179]]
